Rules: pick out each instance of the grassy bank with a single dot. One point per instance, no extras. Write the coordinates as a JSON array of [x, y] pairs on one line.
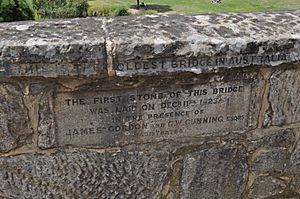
[[195, 6]]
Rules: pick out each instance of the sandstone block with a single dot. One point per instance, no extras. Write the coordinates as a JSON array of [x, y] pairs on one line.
[[270, 161], [53, 48], [284, 138], [265, 187], [15, 126], [284, 96], [217, 172], [83, 175]]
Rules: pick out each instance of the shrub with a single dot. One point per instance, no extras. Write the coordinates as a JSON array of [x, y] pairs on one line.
[[16, 10], [122, 12], [60, 8], [105, 11]]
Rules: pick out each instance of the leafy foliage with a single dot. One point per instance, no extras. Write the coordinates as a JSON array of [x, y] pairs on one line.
[[16, 10], [104, 11], [60, 8]]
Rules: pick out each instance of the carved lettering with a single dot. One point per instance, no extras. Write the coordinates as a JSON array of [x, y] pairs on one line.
[[113, 118], [199, 63]]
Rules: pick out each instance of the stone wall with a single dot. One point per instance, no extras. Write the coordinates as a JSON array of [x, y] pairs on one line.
[[167, 107]]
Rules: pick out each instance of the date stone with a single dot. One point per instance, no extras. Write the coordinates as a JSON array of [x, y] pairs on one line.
[[118, 117]]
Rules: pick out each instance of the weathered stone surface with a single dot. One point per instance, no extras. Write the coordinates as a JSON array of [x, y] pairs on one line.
[[46, 121], [212, 130], [122, 117], [202, 43], [83, 175], [284, 96], [295, 183], [15, 127], [216, 172], [148, 45], [53, 48], [270, 161], [294, 161], [257, 90], [271, 138], [264, 187]]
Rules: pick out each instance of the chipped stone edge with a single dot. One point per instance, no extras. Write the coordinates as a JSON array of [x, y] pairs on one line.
[[107, 66]]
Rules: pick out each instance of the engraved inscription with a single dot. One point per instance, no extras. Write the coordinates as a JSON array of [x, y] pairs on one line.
[[202, 63], [49, 69], [112, 118], [53, 69]]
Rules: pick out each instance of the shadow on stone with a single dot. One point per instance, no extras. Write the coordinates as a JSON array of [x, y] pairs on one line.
[[158, 8]]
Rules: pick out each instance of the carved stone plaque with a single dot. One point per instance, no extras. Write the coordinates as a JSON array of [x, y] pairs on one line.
[[118, 117]]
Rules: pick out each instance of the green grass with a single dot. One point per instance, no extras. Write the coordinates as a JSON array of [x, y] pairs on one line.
[[199, 6]]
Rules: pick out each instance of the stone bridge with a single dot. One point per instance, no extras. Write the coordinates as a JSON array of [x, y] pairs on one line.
[[153, 107]]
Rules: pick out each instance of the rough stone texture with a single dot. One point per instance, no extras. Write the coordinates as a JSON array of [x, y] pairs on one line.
[[292, 197], [294, 161], [156, 40], [83, 175], [264, 187], [53, 48], [216, 172], [148, 45], [46, 122], [270, 161], [284, 138], [257, 84], [284, 96], [295, 183], [15, 126], [47, 59]]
